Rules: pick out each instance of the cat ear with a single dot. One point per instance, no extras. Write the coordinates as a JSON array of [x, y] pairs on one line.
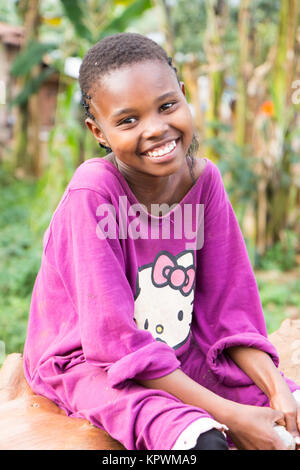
[[137, 287], [143, 278], [186, 259]]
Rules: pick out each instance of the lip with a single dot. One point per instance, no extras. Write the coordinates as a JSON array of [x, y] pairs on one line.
[[163, 158], [160, 144]]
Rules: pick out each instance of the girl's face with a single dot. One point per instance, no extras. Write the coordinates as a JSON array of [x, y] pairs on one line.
[[143, 116]]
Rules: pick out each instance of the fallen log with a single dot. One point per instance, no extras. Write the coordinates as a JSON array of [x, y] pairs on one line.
[[287, 342], [32, 422]]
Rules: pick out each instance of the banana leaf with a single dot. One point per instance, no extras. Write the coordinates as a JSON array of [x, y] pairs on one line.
[[31, 87], [121, 22], [31, 56], [74, 9]]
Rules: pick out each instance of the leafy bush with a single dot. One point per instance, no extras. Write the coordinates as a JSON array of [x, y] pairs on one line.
[[277, 298], [20, 253], [282, 254]]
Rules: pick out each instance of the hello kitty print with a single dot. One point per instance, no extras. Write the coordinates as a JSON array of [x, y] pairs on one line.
[[164, 297]]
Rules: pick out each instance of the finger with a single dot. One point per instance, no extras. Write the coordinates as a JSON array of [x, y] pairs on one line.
[[292, 428], [291, 424], [279, 418], [281, 421], [297, 439], [298, 418]]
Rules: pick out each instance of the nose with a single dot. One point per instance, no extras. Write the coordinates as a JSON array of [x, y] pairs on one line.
[[155, 127]]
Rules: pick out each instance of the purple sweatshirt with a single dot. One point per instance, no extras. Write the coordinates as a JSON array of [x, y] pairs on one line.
[[111, 295]]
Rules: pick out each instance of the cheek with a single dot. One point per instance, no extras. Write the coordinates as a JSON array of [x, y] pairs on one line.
[[186, 124], [122, 142]]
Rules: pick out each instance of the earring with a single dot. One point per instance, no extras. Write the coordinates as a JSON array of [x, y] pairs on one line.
[[107, 149]]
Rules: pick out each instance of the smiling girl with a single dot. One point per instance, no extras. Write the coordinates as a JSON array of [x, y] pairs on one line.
[[161, 343]]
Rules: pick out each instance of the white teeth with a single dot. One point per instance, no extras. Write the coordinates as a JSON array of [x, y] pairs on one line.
[[159, 152]]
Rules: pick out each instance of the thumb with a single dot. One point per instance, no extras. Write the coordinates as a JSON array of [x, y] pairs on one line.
[[278, 418]]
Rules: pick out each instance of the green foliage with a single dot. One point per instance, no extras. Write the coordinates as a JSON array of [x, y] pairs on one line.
[[31, 87], [8, 13], [236, 165], [75, 10], [119, 23], [20, 258], [277, 297], [31, 56], [189, 19], [282, 254]]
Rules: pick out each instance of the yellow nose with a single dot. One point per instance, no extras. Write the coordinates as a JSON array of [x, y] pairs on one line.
[[159, 329]]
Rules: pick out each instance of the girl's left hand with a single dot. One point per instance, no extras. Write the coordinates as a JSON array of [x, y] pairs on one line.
[[284, 401]]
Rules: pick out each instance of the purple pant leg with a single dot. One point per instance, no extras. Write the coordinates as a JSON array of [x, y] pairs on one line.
[[138, 417]]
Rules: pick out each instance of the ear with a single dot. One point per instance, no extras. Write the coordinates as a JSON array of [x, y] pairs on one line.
[[182, 88], [96, 131]]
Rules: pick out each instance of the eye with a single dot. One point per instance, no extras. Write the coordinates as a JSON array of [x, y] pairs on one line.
[[146, 325], [167, 106], [180, 315], [129, 120]]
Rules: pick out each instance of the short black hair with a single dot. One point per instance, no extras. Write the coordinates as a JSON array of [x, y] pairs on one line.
[[113, 52]]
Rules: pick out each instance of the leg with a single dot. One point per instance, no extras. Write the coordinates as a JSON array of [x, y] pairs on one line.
[[137, 417]]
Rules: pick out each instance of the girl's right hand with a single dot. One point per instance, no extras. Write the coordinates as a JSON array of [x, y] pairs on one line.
[[252, 428]]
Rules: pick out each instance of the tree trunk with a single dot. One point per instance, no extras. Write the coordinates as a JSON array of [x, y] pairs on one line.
[[243, 72], [217, 12], [26, 132], [190, 72], [167, 26]]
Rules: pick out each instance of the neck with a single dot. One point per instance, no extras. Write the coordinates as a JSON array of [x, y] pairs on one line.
[[150, 189]]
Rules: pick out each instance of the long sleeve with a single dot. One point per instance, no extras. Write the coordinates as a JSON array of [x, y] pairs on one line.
[[93, 272], [228, 310]]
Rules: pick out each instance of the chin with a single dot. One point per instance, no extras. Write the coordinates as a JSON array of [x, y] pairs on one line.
[[166, 168]]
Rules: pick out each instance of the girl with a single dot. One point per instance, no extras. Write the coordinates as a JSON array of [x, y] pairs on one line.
[[148, 328]]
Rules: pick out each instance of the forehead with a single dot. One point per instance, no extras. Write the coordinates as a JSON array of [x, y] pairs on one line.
[[131, 85]]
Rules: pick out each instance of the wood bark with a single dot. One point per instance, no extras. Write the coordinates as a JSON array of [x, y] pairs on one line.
[[217, 14], [26, 131], [243, 72]]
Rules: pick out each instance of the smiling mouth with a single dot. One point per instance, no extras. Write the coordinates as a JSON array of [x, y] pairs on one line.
[[162, 150]]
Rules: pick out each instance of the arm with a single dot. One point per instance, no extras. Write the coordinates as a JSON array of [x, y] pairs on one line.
[[250, 427], [190, 392], [261, 369]]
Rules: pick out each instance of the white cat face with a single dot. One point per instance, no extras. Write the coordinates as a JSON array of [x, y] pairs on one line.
[[164, 302]]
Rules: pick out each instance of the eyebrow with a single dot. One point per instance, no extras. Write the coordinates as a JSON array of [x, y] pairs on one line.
[[119, 112]]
